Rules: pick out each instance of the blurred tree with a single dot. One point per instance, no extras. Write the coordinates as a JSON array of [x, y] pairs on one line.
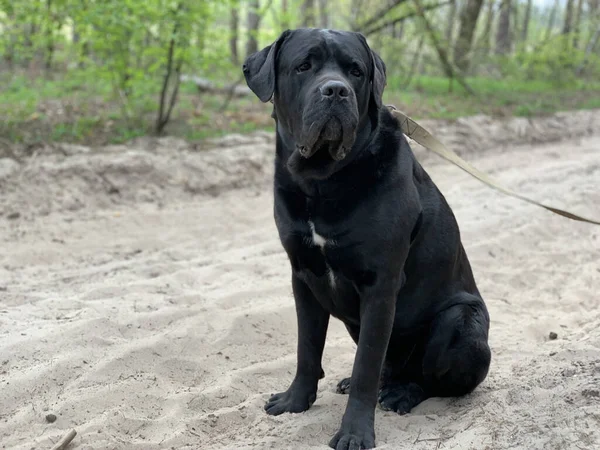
[[589, 49], [285, 21], [577, 24], [234, 25], [514, 23], [451, 22], [526, 20], [503, 42], [551, 20], [464, 41], [8, 34], [567, 25], [253, 23], [50, 25], [307, 12], [486, 36], [173, 69], [380, 21], [323, 14], [440, 49]]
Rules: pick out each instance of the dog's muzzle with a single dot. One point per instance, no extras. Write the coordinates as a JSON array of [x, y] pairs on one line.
[[330, 137]]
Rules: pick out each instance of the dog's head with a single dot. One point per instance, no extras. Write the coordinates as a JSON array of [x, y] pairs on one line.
[[325, 86]]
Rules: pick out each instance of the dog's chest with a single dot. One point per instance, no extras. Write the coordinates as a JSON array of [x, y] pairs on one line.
[[320, 256], [315, 239]]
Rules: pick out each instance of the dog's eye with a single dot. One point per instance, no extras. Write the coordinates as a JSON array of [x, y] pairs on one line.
[[356, 72], [303, 67]]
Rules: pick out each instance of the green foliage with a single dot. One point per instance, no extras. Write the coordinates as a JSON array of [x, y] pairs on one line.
[[97, 71], [554, 60], [125, 44]]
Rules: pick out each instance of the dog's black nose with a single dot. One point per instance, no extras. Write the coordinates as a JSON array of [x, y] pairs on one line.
[[334, 89]]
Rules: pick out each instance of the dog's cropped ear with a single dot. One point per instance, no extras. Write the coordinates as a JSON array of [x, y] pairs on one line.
[[378, 74], [259, 69]]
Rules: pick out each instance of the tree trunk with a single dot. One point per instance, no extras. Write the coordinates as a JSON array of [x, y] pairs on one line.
[[486, 36], [503, 32], [412, 69], [577, 25], [76, 37], [253, 24], [49, 36], [396, 30], [307, 11], [323, 14], [30, 30], [589, 50], [526, 20], [285, 20], [551, 20], [84, 47], [399, 30], [173, 72], [9, 49], [356, 18], [234, 24], [464, 41], [514, 35], [568, 18], [450, 23], [441, 51]]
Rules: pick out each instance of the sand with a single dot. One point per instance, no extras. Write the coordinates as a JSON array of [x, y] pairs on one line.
[[145, 298]]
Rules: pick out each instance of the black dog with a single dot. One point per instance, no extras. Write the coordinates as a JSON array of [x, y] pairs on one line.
[[370, 238]]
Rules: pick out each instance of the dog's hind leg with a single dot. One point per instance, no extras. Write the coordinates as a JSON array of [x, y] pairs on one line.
[[454, 361], [401, 382], [457, 356]]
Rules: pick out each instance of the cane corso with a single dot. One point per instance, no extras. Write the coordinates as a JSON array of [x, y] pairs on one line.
[[370, 238]]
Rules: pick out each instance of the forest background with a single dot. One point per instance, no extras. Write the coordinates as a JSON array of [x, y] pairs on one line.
[[105, 71]]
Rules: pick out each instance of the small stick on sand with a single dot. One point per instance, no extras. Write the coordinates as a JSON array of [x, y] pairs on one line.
[[66, 440]]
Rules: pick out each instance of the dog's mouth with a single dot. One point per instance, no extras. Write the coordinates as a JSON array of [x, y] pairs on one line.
[[324, 142], [329, 143]]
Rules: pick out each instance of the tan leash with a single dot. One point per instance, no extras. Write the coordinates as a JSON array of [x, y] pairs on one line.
[[419, 134]]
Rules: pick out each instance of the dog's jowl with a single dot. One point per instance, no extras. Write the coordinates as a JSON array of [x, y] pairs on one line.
[[370, 238]]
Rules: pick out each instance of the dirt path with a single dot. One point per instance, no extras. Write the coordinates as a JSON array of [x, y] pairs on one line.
[[166, 323]]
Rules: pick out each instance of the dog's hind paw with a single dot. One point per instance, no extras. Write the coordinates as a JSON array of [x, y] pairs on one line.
[[343, 387], [401, 397]]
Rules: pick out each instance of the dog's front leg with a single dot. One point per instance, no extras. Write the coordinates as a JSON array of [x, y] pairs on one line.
[[312, 331], [357, 432]]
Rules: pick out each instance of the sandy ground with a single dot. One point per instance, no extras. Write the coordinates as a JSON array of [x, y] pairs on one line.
[[154, 312]]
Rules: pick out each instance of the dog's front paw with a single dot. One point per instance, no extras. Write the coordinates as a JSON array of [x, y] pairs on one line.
[[353, 438], [294, 400]]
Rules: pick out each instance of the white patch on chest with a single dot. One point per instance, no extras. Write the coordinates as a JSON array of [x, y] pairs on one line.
[[320, 241], [331, 276]]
